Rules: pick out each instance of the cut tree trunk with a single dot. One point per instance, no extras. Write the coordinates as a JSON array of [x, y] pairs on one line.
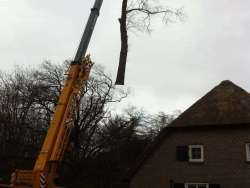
[[124, 45]]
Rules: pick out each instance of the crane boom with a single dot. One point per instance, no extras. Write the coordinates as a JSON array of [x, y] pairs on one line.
[[57, 138], [88, 31]]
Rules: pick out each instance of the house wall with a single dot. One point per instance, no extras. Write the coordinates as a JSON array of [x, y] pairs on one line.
[[224, 160]]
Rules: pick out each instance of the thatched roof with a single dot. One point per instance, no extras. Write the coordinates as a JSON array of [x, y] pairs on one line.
[[225, 104]]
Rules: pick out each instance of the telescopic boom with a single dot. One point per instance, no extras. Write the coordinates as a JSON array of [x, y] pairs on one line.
[[81, 52]]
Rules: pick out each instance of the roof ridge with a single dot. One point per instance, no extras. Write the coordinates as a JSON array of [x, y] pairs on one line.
[[226, 92]]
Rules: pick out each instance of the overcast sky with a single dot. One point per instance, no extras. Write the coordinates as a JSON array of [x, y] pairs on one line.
[[167, 70]]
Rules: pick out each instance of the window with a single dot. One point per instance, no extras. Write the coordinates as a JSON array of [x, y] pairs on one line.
[[196, 185], [196, 153], [248, 152], [191, 153]]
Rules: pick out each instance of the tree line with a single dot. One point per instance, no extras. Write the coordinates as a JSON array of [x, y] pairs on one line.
[[103, 145]]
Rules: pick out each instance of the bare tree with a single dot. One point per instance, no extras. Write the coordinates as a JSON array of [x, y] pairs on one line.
[[136, 15], [27, 101], [91, 109], [102, 146], [22, 119]]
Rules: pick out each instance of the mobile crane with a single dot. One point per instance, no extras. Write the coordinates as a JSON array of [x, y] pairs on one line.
[[57, 138]]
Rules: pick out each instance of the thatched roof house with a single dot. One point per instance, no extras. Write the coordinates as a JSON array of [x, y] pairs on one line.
[[208, 126]]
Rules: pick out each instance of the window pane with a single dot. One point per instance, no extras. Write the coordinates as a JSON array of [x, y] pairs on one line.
[[196, 153], [191, 186], [197, 185], [202, 186]]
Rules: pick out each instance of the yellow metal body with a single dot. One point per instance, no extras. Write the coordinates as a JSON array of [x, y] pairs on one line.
[[56, 141]]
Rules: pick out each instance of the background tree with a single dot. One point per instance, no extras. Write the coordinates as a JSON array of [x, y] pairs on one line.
[[120, 141], [27, 101], [103, 145]]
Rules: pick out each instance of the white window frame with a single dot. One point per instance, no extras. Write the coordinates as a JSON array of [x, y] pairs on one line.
[[247, 151], [196, 184], [190, 153]]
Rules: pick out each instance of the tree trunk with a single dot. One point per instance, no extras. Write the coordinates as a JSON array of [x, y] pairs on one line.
[[124, 45]]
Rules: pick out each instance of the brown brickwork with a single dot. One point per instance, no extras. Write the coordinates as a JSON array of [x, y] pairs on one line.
[[224, 160]]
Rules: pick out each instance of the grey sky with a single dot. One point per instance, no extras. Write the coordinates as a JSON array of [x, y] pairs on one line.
[[167, 70]]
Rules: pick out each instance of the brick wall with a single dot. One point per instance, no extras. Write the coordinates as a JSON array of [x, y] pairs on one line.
[[224, 160]]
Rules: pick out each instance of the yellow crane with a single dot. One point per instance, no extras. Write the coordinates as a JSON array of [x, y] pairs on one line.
[[56, 141]]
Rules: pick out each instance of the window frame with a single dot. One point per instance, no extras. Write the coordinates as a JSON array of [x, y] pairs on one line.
[[247, 148], [190, 147], [196, 184]]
